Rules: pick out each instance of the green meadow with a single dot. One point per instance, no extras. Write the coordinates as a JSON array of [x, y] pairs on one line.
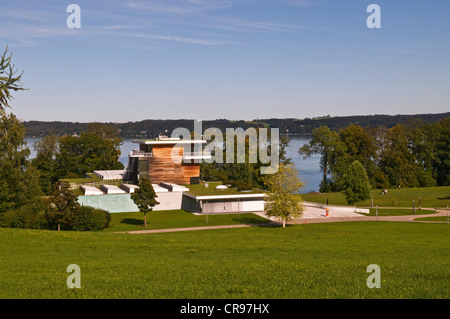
[[431, 197], [301, 261], [177, 219]]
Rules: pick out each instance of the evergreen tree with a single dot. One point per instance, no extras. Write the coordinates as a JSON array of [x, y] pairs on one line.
[[356, 184]]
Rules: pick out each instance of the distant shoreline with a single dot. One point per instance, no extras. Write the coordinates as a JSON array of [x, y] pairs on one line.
[[287, 126]]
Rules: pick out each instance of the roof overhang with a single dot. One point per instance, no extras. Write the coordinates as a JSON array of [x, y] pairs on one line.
[[234, 196]]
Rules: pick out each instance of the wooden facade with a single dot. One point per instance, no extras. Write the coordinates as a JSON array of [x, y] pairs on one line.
[[163, 167]]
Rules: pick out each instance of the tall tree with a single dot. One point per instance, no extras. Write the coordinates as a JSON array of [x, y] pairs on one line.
[[283, 200], [424, 149], [360, 145], [19, 180], [145, 197], [80, 155], [45, 161], [356, 184], [397, 159], [327, 144], [442, 165], [9, 80]]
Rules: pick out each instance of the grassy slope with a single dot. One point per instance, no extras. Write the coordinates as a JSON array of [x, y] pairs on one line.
[[430, 197], [176, 219], [313, 261]]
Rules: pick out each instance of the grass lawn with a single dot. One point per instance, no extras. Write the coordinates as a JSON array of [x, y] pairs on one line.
[[398, 212], [176, 219], [442, 219], [327, 260], [403, 197]]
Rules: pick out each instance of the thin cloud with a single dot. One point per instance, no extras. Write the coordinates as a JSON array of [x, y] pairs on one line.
[[174, 38], [178, 7]]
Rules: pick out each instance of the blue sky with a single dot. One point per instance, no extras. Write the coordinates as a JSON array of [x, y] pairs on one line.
[[242, 59]]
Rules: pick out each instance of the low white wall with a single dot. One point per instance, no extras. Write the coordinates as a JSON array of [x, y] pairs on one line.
[[169, 200], [232, 206]]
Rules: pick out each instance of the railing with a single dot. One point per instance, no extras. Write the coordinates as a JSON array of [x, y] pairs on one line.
[[138, 153], [197, 154]]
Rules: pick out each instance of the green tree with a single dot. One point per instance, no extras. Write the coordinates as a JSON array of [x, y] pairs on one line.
[[19, 181], [356, 184], [80, 155], [45, 161], [397, 159], [63, 206], [442, 164], [360, 145], [9, 80], [145, 197], [327, 144], [282, 200], [425, 139]]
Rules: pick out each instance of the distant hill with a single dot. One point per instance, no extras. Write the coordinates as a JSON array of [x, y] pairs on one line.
[[151, 128]]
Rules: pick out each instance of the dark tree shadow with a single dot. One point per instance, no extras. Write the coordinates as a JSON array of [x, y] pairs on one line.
[[257, 222], [132, 221]]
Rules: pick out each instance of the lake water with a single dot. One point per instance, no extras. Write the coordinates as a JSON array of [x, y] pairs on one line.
[[308, 169]]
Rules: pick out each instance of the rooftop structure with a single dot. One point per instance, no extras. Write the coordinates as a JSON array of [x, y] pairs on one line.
[[112, 174], [112, 189], [168, 160]]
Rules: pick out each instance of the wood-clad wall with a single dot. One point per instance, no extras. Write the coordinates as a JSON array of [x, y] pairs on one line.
[[163, 168]]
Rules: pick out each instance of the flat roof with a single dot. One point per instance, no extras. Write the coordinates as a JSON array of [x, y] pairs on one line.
[[173, 187], [110, 174], [234, 196], [168, 142]]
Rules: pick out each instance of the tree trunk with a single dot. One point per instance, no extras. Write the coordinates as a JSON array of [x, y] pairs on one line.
[[145, 220], [284, 223], [59, 226]]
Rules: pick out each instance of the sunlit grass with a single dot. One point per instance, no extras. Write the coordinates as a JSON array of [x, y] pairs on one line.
[[301, 261], [403, 197]]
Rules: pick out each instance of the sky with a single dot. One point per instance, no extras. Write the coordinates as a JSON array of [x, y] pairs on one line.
[[227, 59]]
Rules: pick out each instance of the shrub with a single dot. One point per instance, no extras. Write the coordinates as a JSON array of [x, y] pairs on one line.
[[229, 182], [12, 219], [90, 218], [83, 219], [240, 185], [41, 221], [243, 186]]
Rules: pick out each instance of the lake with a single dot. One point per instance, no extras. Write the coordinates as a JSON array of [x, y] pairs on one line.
[[308, 169]]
